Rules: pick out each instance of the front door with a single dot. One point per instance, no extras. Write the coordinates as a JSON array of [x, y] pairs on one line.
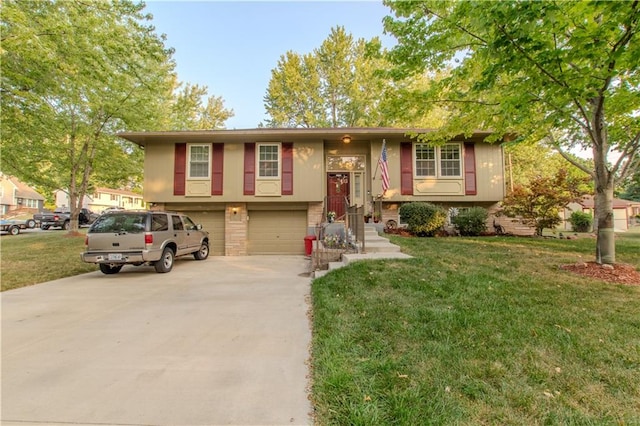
[[338, 193]]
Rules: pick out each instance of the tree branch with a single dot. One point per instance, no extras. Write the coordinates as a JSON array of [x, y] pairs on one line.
[[428, 11], [556, 145]]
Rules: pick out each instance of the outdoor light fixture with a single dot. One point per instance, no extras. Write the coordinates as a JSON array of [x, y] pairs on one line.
[[346, 139], [234, 210]]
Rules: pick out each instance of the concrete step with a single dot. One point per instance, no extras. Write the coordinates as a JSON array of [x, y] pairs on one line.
[[375, 238], [380, 247], [352, 257], [336, 265]]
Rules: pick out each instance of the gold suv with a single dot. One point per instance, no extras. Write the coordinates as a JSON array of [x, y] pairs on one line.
[[136, 237]]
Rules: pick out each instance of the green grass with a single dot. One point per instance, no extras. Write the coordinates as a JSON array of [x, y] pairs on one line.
[[36, 257], [475, 331]]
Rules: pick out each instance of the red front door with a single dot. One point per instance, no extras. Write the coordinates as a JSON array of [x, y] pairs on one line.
[[337, 193]]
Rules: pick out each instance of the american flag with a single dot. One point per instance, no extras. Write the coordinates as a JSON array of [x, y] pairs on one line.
[[382, 162]]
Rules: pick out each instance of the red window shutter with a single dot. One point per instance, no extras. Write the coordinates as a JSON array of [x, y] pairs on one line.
[[179, 169], [470, 187], [249, 168], [287, 168], [406, 168], [217, 165]]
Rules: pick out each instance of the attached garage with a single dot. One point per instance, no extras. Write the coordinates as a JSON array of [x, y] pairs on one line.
[[277, 231], [212, 221]]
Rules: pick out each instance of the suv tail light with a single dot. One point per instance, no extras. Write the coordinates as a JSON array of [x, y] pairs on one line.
[[148, 238], [56, 218]]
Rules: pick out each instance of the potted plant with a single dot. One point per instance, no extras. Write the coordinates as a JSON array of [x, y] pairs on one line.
[[331, 216], [376, 217], [367, 217]]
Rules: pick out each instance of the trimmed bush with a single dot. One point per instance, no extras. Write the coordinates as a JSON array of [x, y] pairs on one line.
[[580, 221], [423, 219], [471, 222]]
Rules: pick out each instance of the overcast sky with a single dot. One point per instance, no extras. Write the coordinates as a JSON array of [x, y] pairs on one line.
[[231, 47]]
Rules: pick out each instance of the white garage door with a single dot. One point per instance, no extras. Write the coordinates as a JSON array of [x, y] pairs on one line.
[[620, 220], [213, 222], [277, 232]]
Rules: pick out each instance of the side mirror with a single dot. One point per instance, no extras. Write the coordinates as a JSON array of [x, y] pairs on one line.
[[198, 227]]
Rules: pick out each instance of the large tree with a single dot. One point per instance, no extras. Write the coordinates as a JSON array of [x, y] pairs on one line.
[[75, 73], [337, 85], [566, 72], [186, 110]]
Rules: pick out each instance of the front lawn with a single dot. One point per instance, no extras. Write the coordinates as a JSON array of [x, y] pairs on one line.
[[477, 331], [36, 257]]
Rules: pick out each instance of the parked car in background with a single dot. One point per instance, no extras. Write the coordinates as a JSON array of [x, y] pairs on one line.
[[139, 237], [13, 226], [61, 218]]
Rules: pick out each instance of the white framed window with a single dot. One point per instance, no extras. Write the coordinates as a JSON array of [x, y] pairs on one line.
[[268, 160], [425, 160], [199, 161], [438, 161]]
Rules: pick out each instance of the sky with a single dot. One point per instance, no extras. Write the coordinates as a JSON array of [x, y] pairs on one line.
[[232, 46]]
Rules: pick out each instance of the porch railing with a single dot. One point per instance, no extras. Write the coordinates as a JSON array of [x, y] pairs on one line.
[[345, 234]]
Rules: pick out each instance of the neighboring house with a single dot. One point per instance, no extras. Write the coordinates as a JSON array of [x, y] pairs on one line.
[[624, 212], [15, 194], [261, 191], [103, 198]]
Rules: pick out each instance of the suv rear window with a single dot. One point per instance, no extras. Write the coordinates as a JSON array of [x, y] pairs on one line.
[[133, 223]]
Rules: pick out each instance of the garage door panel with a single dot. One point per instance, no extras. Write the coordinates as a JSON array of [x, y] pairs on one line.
[[277, 232], [213, 222]]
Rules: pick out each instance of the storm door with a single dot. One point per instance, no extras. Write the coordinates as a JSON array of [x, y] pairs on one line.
[[338, 193]]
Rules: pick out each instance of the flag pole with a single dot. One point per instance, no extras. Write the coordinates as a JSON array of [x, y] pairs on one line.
[[378, 162]]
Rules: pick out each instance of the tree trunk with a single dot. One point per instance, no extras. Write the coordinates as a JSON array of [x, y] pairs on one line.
[[605, 244], [603, 198]]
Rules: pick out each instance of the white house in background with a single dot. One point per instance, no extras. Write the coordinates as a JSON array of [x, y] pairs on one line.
[[15, 194], [103, 198], [624, 212]]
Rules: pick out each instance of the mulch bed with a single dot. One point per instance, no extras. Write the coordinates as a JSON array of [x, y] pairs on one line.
[[619, 273]]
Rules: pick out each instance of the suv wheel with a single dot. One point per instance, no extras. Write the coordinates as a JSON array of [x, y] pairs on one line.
[[108, 269], [166, 261], [66, 225], [203, 253]]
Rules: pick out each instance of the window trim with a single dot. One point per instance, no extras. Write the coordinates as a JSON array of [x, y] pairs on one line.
[[189, 162], [278, 146], [438, 162]]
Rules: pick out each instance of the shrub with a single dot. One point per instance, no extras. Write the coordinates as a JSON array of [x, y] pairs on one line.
[[580, 221], [471, 222], [423, 219]]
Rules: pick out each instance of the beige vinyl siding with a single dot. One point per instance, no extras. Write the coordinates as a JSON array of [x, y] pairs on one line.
[[213, 222], [308, 176], [489, 177], [277, 231]]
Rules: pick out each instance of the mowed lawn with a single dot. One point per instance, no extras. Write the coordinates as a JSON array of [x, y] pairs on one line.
[[477, 331], [37, 256]]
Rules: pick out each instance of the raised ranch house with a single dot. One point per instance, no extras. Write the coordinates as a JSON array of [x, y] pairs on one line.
[[16, 195], [103, 198], [261, 191]]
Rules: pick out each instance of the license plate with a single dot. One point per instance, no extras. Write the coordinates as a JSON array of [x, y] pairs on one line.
[[115, 256]]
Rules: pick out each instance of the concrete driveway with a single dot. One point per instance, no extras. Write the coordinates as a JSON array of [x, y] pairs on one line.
[[221, 341]]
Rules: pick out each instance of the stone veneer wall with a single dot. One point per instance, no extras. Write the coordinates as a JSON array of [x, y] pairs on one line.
[[235, 230], [314, 215]]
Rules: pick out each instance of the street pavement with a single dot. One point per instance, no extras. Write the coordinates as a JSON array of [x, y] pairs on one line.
[[223, 341]]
